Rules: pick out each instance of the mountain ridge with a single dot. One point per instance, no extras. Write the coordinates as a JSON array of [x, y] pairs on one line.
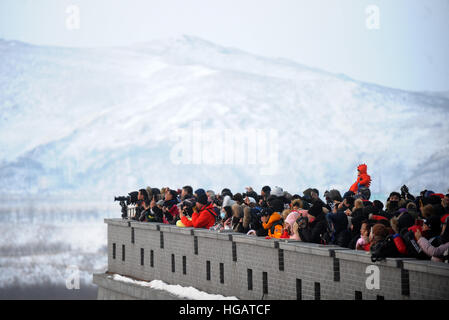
[[70, 119]]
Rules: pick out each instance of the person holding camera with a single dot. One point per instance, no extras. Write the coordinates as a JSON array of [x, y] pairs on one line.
[[271, 217], [169, 207], [314, 226], [203, 215], [264, 194], [186, 209]]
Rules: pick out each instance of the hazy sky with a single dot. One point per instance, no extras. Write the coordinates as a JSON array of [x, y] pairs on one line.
[[405, 45]]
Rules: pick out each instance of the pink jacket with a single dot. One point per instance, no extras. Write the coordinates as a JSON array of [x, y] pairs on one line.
[[431, 251], [291, 219]]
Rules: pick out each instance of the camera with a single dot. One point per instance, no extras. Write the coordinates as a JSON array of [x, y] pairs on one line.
[[130, 199], [404, 189], [187, 207], [218, 202], [302, 222], [125, 201]]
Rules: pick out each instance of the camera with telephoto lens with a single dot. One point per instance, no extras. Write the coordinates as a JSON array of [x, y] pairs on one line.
[[125, 201]]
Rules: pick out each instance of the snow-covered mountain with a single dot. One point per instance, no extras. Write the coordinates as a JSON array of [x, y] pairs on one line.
[[105, 120]]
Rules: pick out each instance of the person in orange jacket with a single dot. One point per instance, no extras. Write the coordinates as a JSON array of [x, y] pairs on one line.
[[362, 183]]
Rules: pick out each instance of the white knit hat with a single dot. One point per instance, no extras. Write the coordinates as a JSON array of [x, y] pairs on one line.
[[277, 191], [227, 201]]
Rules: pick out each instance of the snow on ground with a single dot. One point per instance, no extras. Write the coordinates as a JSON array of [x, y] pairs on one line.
[[178, 290]]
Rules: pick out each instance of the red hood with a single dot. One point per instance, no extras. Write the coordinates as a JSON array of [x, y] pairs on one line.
[[362, 168]]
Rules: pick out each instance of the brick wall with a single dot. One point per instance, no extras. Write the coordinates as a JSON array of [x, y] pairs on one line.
[[233, 264]]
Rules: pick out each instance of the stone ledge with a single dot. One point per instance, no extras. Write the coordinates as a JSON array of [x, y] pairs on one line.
[[145, 225], [426, 266], [257, 241], [310, 248], [117, 222], [365, 257], [174, 229], [205, 233]]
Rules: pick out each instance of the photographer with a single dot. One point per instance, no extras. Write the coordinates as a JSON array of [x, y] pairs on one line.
[[264, 194], [271, 217], [405, 194], [169, 208], [314, 225], [203, 215], [143, 203], [186, 209]]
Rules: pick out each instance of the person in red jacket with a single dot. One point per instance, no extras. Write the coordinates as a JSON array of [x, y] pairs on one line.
[[203, 214], [363, 182]]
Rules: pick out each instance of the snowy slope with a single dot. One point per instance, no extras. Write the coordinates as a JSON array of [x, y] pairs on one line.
[[103, 120]]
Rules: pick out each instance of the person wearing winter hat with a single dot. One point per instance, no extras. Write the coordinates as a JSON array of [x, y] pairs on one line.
[[316, 226], [434, 249], [199, 191], [277, 192], [203, 215], [276, 204], [253, 194], [289, 223], [227, 202], [251, 200], [405, 221], [393, 203], [432, 227], [226, 192], [362, 183], [270, 218]]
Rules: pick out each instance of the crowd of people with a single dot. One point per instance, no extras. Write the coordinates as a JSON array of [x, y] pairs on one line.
[[406, 226]]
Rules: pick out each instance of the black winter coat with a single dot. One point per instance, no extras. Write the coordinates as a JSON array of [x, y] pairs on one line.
[[314, 231]]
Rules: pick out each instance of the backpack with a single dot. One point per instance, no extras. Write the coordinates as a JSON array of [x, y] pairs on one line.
[[216, 213], [383, 249], [413, 248], [276, 229]]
